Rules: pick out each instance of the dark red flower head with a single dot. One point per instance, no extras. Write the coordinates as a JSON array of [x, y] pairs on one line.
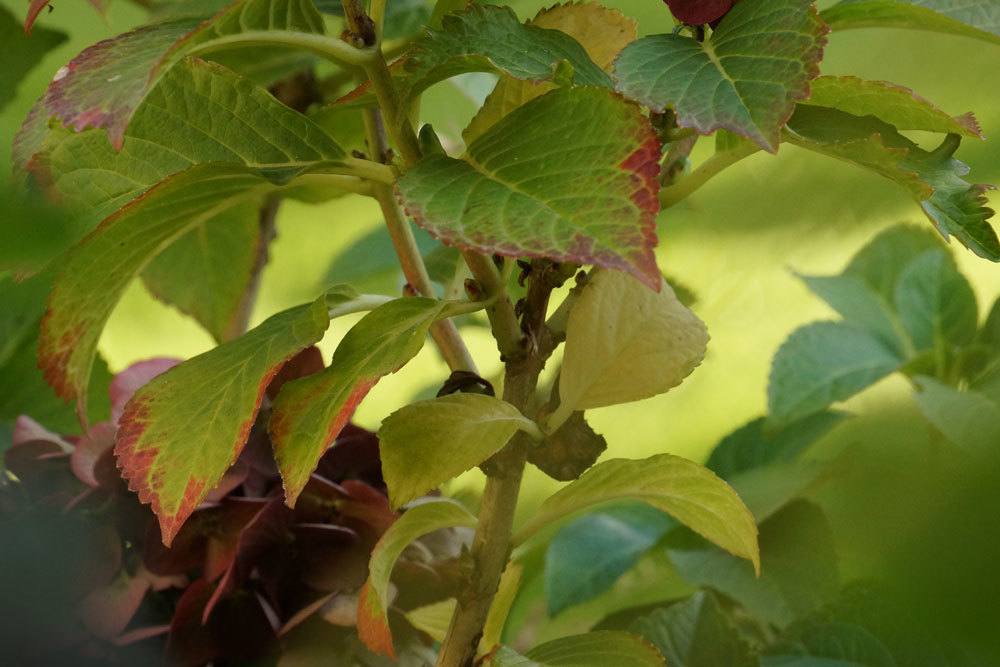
[[699, 12]]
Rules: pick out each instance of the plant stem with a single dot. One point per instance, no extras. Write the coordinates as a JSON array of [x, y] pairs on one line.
[[689, 184], [331, 48]]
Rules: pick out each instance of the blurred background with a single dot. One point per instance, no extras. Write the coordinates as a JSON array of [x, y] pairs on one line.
[[901, 511]]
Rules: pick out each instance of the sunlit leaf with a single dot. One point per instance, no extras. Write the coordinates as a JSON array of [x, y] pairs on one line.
[[373, 625], [744, 78], [979, 19], [690, 493], [429, 442], [569, 176]]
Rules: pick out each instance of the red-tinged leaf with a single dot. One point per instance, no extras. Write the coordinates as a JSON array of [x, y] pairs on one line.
[[353, 456], [130, 380], [571, 175], [699, 12], [307, 362], [36, 7], [106, 611], [309, 413], [182, 431], [373, 626], [358, 505], [106, 83], [27, 429], [90, 449]]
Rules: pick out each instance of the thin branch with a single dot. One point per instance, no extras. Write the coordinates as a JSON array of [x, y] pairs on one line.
[[689, 184], [330, 48]]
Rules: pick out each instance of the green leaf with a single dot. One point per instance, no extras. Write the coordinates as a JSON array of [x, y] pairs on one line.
[[979, 19], [180, 432], [603, 32], [309, 413], [755, 445], [969, 419], [880, 263], [373, 626], [933, 178], [695, 633], [429, 442], [33, 233], [21, 52], [687, 491], [199, 112], [821, 363], [829, 645], [433, 619], [370, 263], [625, 343], [569, 176], [106, 83], [799, 572], [96, 272], [588, 555], [862, 307], [594, 649], [487, 38], [744, 78], [890, 103], [936, 303]]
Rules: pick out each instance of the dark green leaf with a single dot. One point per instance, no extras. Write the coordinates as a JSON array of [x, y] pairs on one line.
[[829, 645], [589, 554], [936, 303], [594, 649], [21, 52], [744, 78]]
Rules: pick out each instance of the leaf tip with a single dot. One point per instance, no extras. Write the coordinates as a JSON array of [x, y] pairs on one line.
[[372, 626]]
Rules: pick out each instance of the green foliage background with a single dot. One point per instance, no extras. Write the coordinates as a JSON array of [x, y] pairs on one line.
[[903, 508]]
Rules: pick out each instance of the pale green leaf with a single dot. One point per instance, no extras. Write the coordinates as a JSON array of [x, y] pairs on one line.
[[695, 633], [890, 103], [969, 419], [594, 649], [416, 522], [936, 303], [933, 178], [822, 363], [745, 77], [862, 307], [433, 619], [569, 176], [880, 263], [429, 442], [625, 343], [690, 493], [308, 413], [979, 19], [180, 432]]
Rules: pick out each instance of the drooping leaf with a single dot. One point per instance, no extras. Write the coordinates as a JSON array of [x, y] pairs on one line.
[[594, 649], [309, 413], [933, 178], [96, 272], [487, 38], [969, 419], [695, 633], [799, 569], [21, 53], [829, 645], [199, 112], [106, 83], [429, 442], [589, 554], [822, 363], [979, 19], [183, 430], [373, 626], [744, 78], [625, 343], [936, 303], [890, 103], [683, 489], [754, 445], [603, 32]]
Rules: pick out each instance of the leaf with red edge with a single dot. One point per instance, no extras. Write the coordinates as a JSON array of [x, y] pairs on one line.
[[373, 626], [125, 384], [699, 12], [744, 78], [36, 7], [106, 83], [571, 176], [309, 413], [182, 431]]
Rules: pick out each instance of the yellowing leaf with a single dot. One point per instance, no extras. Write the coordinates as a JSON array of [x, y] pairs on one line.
[[373, 626], [689, 492], [429, 442], [601, 31], [624, 343]]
